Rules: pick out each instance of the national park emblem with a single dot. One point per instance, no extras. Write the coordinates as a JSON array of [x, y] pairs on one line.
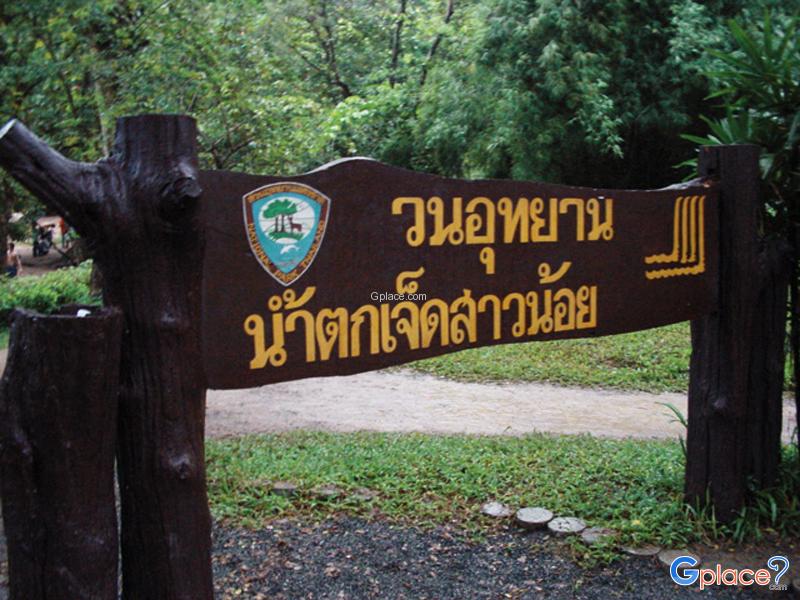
[[285, 225]]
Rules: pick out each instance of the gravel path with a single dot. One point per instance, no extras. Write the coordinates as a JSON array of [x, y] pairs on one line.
[[352, 559], [38, 265], [348, 558]]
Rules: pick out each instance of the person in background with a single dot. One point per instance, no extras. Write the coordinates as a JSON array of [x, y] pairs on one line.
[[13, 262], [64, 229]]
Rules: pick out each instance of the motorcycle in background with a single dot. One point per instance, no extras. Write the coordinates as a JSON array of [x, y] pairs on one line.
[[43, 241]]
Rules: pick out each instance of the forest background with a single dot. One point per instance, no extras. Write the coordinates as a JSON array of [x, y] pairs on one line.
[[585, 92]]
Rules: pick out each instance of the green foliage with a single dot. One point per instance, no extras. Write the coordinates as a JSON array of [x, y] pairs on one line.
[[19, 231], [46, 293], [588, 92], [772, 510], [678, 417], [654, 360], [279, 208], [759, 86], [634, 487]]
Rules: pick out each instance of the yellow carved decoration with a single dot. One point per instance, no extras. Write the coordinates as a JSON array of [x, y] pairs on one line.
[[688, 241]]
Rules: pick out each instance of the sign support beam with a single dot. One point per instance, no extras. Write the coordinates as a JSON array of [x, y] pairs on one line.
[[736, 373]]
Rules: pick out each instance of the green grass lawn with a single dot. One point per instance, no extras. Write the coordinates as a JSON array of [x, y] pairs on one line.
[[634, 487], [654, 360]]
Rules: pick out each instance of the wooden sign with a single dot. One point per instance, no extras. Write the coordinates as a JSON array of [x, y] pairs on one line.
[[359, 265]]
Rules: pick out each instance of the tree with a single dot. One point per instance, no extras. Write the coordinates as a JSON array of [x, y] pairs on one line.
[[587, 93], [759, 85], [139, 207], [280, 209]]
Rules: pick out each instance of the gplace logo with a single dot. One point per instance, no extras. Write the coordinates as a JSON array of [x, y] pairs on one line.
[[684, 572]]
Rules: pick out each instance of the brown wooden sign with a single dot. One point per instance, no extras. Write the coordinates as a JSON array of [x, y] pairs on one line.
[[359, 265]]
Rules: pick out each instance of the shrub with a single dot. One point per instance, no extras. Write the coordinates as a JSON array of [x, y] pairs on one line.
[[46, 293]]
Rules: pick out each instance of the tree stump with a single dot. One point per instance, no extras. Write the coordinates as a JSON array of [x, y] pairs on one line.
[[139, 209], [595, 535], [57, 441], [364, 495], [284, 488], [326, 492], [667, 556]]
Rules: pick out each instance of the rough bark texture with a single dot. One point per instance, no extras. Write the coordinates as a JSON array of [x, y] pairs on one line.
[[138, 210], [57, 441], [736, 377]]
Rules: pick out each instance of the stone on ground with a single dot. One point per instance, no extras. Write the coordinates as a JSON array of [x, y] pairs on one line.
[[668, 555], [284, 488], [326, 492], [566, 525], [592, 535], [496, 509], [364, 495], [645, 551], [534, 517]]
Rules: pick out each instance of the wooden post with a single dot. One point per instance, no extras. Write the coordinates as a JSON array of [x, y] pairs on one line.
[[57, 442], [736, 375], [138, 209]]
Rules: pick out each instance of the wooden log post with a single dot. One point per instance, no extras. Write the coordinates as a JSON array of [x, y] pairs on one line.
[[57, 443], [736, 373], [138, 209]]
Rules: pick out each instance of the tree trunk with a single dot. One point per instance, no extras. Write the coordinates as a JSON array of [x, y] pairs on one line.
[[138, 211], [4, 227], [58, 439], [736, 376], [154, 273], [396, 43], [6, 207]]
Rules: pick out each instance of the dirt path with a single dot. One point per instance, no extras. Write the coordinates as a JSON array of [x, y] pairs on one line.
[[407, 401], [38, 265], [403, 401]]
